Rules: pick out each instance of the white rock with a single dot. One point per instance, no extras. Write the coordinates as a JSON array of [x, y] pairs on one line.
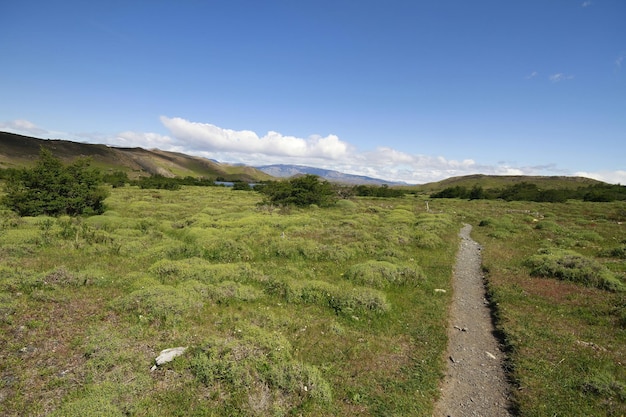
[[168, 355]]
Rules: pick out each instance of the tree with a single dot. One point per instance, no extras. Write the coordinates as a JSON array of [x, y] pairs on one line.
[[52, 188], [476, 193], [300, 191]]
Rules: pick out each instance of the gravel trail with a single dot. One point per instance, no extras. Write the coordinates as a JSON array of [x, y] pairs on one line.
[[475, 383]]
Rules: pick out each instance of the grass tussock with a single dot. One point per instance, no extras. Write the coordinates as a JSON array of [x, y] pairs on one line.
[[257, 370], [381, 274], [572, 266]]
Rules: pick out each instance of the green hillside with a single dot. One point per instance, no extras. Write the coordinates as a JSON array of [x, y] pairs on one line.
[[500, 181]]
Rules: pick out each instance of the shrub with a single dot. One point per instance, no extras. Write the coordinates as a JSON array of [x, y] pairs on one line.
[[348, 205], [572, 266], [252, 357], [343, 300], [161, 303], [51, 188], [427, 240], [229, 290], [380, 274], [300, 191], [617, 252], [549, 226]]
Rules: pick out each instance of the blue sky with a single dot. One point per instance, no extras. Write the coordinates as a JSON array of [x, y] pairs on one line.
[[415, 91]]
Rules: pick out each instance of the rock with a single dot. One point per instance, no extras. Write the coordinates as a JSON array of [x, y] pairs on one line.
[[168, 355]]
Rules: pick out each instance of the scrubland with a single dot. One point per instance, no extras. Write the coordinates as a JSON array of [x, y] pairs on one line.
[[313, 311]]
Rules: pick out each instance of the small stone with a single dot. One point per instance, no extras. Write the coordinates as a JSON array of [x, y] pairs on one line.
[[168, 355]]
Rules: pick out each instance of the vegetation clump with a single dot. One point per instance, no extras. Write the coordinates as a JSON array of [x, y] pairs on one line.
[[301, 191], [258, 365], [572, 266], [381, 274], [51, 188]]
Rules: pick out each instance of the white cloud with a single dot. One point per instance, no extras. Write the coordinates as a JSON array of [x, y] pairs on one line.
[[618, 61], [24, 127], [612, 177], [532, 75], [586, 3], [130, 139], [555, 78], [208, 137]]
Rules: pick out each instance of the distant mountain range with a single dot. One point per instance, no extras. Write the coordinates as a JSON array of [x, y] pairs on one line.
[[286, 171]]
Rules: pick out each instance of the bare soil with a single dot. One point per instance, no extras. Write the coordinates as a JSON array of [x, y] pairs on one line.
[[475, 382]]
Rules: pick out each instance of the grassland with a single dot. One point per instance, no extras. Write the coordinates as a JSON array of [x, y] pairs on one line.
[[300, 311], [313, 312]]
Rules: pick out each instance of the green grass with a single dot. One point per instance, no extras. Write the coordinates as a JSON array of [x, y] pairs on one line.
[[317, 312], [300, 312]]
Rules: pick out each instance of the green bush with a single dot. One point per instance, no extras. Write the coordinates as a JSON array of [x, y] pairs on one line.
[[173, 271], [252, 358], [229, 290], [300, 191], [427, 240], [617, 252], [572, 266], [161, 303], [348, 205], [51, 188], [381, 274]]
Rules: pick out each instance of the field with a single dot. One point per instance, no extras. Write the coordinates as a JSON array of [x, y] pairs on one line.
[[310, 311]]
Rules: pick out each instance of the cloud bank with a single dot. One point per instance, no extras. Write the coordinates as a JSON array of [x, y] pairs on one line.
[[210, 138], [327, 152]]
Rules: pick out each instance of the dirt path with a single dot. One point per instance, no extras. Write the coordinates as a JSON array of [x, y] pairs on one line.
[[475, 384]]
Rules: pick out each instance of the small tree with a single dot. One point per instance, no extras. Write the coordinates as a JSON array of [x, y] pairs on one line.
[[52, 188], [300, 191]]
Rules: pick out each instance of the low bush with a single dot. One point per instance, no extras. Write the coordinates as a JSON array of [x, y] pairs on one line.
[[173, 271], [229, 290], [572, 266], [254, 363], [343, 300], [381, 274], [617, 252], [159, 303], [427, 240]]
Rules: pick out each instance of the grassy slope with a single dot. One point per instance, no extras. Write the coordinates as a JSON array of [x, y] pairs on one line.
[[17, 151], [501, 181], [274, 320]]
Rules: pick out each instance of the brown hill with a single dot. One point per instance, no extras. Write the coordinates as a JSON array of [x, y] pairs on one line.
[[18, 151]]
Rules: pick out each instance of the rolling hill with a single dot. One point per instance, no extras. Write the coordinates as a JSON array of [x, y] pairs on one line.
[[18, 151], [500, 181]]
